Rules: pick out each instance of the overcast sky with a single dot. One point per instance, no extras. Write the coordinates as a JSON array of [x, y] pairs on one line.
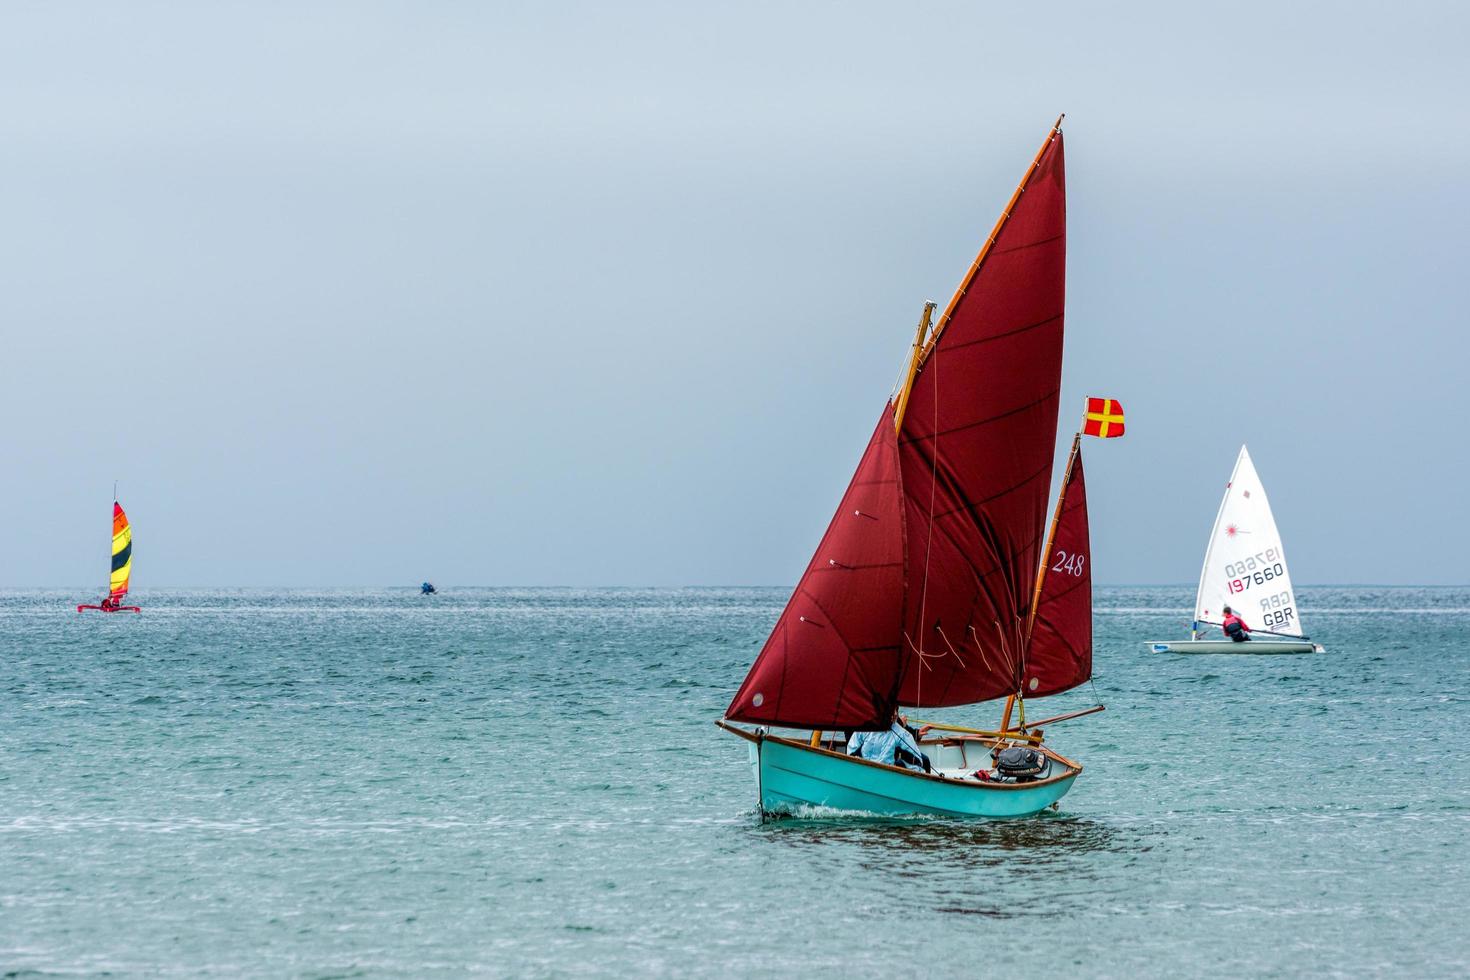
[[350, 293]]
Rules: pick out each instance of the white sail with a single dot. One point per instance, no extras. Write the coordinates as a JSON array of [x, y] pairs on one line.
[[1245, 564]]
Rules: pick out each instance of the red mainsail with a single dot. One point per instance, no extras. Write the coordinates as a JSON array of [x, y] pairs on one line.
[[920, 592], [1059, 656], [975, 455], [833, 660]]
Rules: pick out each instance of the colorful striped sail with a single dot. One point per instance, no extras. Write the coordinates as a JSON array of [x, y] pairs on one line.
[[122, 552]]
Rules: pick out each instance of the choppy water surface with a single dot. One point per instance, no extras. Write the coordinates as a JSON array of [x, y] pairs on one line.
[[528, 782]]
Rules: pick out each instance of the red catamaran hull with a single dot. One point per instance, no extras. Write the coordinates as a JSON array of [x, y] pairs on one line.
[[136, 609]]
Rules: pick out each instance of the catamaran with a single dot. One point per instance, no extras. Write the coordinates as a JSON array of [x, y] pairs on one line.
[[937, 582], [1245, 570], [122, 565]]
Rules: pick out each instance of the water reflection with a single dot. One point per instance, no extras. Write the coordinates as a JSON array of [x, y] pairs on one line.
[[994, 868], [1043, 837]]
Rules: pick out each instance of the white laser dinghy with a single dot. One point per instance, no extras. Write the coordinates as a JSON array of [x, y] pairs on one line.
[[1245, 569]]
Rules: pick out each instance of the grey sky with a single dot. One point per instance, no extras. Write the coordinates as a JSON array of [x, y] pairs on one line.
[[612, 293]]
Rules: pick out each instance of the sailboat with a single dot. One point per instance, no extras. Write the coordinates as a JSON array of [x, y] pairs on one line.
[[937, 582], [1245, 570], [122, 565]]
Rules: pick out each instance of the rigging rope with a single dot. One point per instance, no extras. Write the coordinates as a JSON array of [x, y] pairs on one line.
[[929, 538]]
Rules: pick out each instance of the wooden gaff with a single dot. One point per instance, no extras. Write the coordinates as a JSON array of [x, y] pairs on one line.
[[923, 353]]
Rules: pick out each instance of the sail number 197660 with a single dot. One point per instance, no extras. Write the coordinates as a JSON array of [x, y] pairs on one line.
[[1257, 578], [1257, 569]]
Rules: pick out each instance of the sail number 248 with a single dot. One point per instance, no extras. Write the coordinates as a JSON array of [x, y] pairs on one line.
[[1070, 562]]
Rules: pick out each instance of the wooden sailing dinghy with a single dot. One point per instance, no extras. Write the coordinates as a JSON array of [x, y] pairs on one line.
[[1245, 568], [122, 565], [936, 583]]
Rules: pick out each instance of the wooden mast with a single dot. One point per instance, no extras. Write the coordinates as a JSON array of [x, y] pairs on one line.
[[913, 372], [922, 353]]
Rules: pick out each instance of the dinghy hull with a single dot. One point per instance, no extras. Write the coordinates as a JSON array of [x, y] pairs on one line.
[[793, 778], [1254, 647]]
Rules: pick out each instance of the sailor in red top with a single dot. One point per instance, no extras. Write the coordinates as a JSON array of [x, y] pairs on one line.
[[1235, 627]]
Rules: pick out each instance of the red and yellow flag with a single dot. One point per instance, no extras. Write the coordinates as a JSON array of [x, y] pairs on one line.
[[1104, 418]]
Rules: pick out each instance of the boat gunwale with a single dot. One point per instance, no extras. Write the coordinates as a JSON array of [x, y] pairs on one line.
[[1073, 769]]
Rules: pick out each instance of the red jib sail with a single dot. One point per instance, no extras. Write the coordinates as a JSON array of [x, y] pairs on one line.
[[1059, 656], [975, 455], [833, 659]]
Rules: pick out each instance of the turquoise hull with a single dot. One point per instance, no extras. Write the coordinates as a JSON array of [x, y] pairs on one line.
[[793, 778]]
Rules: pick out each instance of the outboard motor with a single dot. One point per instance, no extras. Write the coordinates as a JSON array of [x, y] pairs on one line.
[[1021, 763]]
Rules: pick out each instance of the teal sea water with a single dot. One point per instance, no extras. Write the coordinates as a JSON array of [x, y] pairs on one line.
[[529, 783]]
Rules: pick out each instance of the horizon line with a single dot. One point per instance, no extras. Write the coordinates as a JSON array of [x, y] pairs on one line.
[[1108, 585]]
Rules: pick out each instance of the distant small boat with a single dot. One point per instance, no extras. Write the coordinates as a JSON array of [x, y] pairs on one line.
[[1245, 568], [427, 589], [122, 565]]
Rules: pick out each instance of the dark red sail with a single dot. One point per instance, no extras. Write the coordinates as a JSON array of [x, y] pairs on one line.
[[1059, 656], [833, 659], [975, 455]]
